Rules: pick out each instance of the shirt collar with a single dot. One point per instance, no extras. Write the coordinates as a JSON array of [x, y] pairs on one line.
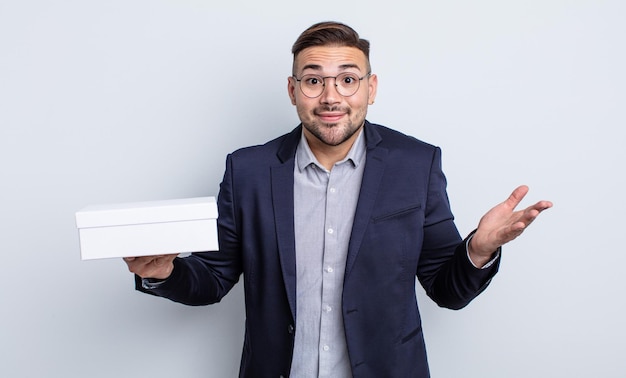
[[305, 157]]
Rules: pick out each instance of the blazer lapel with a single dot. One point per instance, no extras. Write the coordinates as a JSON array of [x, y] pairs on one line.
[[372, 176], [282, 198]]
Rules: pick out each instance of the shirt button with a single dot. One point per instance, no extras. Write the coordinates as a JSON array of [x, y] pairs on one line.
[[326, 348], [330, 269], [330, 230], [327, 308], [333, 190]]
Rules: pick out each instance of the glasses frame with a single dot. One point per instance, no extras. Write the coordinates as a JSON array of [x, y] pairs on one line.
[[331, 77]]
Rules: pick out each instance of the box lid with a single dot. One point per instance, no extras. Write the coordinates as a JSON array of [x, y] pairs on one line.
[[147, 212]]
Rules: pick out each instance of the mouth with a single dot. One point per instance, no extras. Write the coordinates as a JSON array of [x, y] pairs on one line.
[[330, 117]]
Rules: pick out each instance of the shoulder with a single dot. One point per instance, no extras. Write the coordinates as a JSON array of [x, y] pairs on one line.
[[396, 141]]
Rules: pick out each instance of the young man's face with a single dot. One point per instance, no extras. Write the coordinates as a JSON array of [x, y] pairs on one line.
[[332, 118]]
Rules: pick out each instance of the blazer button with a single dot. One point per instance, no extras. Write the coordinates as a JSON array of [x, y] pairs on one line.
[[290, 329]]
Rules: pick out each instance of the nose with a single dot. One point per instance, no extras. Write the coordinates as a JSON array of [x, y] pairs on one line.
[[330, 95]]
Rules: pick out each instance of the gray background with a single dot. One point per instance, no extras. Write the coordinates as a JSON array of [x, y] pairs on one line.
[[121, 101]]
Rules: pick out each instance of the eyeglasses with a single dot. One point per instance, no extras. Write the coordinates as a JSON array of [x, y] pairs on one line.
[[346, 83]]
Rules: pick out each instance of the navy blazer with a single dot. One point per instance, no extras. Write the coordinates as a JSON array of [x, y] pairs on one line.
[[403, 229]]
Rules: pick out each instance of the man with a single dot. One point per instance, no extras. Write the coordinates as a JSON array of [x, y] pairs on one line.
[[330, 225]]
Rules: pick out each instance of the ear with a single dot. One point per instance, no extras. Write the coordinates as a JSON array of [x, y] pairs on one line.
[[372, 87], [291, 89]]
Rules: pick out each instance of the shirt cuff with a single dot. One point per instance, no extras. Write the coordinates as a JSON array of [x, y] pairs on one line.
[[151, 283], [489, 263]]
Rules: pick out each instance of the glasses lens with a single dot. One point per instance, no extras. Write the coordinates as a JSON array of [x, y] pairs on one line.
[[312, 85], [347, 84]]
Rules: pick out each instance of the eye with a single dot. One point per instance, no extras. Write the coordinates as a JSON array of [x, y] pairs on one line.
[[312, 80], [349, 79]]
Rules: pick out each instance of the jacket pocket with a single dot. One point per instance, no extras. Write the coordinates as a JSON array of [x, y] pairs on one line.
[[397, 213]]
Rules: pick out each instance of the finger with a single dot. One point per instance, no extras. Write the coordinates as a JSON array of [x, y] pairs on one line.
[[530, 214], [513, 232], [167, 258], [543, 205], [140, 265], [517, 196], [534, 210], [132, 263]]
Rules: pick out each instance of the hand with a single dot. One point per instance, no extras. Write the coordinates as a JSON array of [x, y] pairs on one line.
[[502, 224], [159, 266]]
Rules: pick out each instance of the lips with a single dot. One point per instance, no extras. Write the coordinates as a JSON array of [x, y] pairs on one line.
[[330, 117]]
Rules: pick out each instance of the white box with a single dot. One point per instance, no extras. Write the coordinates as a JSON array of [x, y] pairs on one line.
[[148, 228]]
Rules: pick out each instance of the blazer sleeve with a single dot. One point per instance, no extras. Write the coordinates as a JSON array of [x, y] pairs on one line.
[[444, 269], [206, 277]]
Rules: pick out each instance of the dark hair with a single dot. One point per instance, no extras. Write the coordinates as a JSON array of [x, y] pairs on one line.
[[330, 33]]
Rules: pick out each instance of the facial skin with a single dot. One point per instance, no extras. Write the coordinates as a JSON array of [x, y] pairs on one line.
[[331, 121]]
